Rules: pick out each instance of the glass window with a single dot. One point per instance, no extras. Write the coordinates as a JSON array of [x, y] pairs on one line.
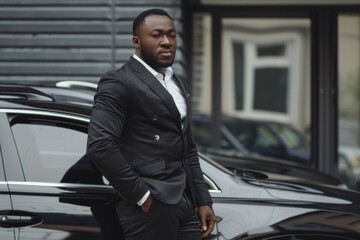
[[265, 76], [292, 138], [239, 75], [53, 153], [202, 134], [272, 50], [265, 69], [349, 96], [270, 89], [265, 138]]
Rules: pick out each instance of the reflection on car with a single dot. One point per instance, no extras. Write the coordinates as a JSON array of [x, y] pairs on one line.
[[268, 138], [49, 189], [282, 143]]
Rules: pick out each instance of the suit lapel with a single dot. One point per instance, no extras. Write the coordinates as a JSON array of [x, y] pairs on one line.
[[186, 96], [154, 84]]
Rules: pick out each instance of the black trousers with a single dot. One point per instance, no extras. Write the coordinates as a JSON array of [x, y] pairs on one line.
[[162, 222]]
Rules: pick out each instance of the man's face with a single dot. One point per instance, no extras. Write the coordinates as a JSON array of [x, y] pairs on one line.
[[155, 42]]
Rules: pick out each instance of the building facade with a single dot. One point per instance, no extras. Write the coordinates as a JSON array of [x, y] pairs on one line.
[[293, 62]]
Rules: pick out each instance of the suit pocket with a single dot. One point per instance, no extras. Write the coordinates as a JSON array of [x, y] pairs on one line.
[[151, 168]]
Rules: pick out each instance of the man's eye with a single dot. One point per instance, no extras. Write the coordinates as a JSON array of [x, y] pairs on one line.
[[156, 35], [172, 36]]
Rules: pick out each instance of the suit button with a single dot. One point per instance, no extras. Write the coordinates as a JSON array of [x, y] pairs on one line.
[[157, 137], [155, 117]]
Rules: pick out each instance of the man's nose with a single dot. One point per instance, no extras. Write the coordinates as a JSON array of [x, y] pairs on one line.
[[165, 40]]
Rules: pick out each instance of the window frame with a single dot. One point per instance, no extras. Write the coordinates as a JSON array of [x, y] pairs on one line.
[[323, 99], [292, 42], [15, 169]]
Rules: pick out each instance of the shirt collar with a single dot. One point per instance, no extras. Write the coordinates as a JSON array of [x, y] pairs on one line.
[[168, 71]]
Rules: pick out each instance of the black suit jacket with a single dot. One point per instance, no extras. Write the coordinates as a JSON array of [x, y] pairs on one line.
[[137, 141]]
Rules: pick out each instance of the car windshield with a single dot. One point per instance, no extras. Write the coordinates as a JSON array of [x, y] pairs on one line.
[[291, 138], [251, 134], [258, 134]]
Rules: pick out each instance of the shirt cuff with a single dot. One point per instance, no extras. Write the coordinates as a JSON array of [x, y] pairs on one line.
[[143, 199]]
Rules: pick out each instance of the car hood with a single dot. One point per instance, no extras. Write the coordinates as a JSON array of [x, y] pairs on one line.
[[247, 187], [274, 169]]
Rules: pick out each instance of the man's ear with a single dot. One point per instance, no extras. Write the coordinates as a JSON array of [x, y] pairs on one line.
[[136, 42]]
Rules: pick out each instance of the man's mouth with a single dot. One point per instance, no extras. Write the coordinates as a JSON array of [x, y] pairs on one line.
[[167, 53]]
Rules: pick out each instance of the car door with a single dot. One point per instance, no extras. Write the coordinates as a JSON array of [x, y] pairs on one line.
[[53, 185], [6, 227]]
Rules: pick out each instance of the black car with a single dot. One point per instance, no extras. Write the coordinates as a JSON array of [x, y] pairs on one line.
[[49, 190], [267, 138], [275, 146]]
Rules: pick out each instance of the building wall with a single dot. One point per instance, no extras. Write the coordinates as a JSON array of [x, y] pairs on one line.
[[43, 40]]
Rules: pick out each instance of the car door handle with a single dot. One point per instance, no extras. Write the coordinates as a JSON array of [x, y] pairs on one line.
[[16, 218]]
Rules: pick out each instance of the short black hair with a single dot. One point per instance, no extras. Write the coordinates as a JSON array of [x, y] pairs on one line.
[[141, 17]]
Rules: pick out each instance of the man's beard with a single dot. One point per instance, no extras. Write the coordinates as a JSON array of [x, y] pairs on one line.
[[153, 62]]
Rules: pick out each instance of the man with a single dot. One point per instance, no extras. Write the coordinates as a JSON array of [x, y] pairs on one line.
[[140, 138]]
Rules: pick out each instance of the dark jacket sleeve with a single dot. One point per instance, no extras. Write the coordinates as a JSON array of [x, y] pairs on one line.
[[201, 189], [106, 124]]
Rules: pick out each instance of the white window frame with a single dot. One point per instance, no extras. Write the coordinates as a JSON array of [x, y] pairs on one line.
[[250, 41]]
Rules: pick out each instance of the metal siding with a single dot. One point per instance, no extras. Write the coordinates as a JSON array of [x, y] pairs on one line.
[[43, 40]]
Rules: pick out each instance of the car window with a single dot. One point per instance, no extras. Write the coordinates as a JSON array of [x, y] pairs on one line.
[[244, 133], [252, 135], [53, 153], [291, 138], [265, 138], [202, 136], [202, 133]]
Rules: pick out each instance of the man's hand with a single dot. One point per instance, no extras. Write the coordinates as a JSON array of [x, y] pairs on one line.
[[207, 220], [147, 204]]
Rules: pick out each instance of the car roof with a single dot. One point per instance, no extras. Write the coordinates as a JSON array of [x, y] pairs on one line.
[[25, 97]]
